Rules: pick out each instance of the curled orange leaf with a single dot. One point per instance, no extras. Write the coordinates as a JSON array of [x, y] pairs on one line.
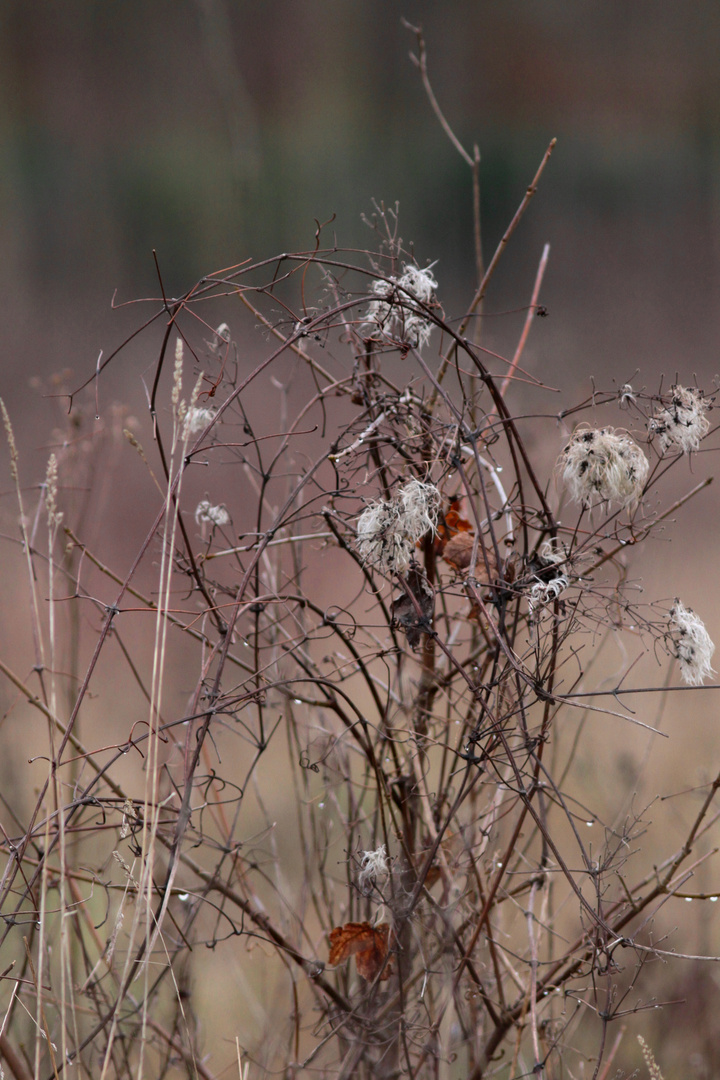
[[451, 524], [368, 944]]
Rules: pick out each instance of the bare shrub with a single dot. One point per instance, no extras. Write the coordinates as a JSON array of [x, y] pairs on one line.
[[339, 730]]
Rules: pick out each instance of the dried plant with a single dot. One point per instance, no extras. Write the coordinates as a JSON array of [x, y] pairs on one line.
[[652, 1065], [350, 651]]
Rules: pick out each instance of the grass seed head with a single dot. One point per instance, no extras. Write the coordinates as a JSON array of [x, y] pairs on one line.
[[177, 373]]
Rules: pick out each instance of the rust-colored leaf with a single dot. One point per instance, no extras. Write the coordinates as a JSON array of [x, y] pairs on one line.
[[369, 962], [455, 524], [451, 524], [368, 944], [349, 939]]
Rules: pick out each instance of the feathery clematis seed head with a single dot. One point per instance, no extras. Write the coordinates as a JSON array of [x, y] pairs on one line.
[[196, 419], [387, 532], [551, 554], [207, 514], [421, 283], [683, 423], [374, 868], [693, 645], [221, 338], [549, 581], [603, 465], [394, 314], [543, 593]]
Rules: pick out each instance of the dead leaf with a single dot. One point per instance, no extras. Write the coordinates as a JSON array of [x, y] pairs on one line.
[[450, 525], [458, 554], [454, 523], [368, 944], [458, 550], [369, 962], [433, 875], [414, 617]]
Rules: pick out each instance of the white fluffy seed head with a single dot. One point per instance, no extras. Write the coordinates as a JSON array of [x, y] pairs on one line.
[[196, 419], [394, 314], [602, 465], [421, 283], [682, 423], [207, 514], [220, 340], [381, 540], [693, 645], [420, 505], [543, 593], [550, 553], [374, 868], [387, 532]]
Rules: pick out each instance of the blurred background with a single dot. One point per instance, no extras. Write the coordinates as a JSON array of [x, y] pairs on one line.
[[218, 130], [214, 131]]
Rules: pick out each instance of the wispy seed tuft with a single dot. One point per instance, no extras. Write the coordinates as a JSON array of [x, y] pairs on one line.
[[207, 514], [397, 313], [682, 423], [693, 646], [602, 465], [387, 532]]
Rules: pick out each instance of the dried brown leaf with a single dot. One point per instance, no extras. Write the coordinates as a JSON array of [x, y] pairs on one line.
[[458, 550], [414, 616], [368, 944], [458, 554]]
